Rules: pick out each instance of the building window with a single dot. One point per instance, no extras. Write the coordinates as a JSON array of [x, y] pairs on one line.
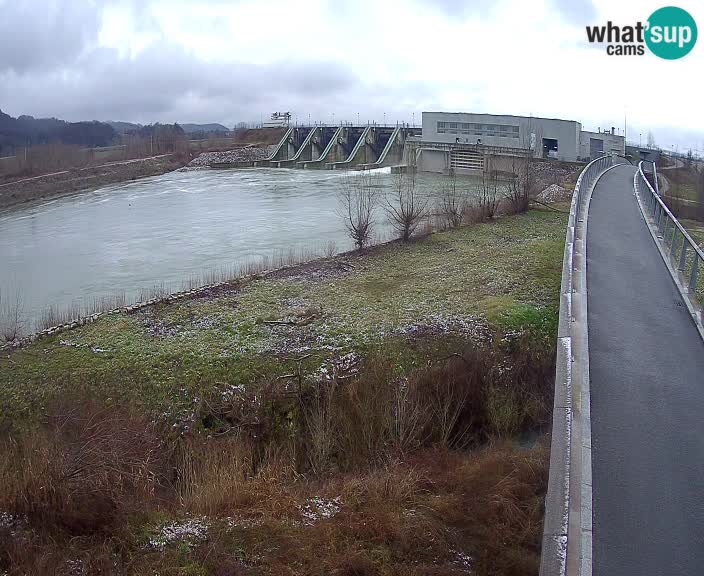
[[480, 130]]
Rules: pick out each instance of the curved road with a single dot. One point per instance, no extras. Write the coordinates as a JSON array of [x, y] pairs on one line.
[[647, 392]]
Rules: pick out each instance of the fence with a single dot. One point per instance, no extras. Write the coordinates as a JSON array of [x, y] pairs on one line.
[[567, 530], [685, 255]]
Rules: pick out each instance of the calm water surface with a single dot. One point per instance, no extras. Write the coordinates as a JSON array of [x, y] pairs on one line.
[[129, 237]]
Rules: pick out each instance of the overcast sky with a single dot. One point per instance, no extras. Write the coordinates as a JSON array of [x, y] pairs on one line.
[[239, 60]]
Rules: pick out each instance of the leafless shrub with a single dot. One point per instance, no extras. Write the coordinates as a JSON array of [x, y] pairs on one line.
[[11, 318], [54, 315], [320, 423], [330, 248], [518, 190], [489, 194], [472, 213], [410, 418], [358, 199], [404, 206], [156, 291], [105, 303], [83, 469], [453, 202]]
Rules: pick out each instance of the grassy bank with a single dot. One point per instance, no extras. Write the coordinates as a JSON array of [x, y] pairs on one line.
[[364, 414]]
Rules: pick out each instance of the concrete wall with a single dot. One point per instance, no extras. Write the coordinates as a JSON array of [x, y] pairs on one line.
[[432, 161], [610, 143], [505, 131]]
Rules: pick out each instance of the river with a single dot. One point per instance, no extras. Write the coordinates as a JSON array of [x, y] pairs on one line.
[[127, 238]]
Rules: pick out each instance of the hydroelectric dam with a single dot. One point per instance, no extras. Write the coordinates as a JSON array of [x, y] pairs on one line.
[[339, 147]]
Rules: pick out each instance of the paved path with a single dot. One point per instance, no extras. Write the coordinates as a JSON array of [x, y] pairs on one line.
[[647, 391]]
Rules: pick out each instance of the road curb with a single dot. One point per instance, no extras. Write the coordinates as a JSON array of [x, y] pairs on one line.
[[567, 530]]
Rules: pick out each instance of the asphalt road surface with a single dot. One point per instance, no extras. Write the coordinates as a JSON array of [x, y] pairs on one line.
[[647, 391]]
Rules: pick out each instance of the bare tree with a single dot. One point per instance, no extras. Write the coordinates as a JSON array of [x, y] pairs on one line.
[[651, 140], [404, 206], [453, 201], [358, 200]]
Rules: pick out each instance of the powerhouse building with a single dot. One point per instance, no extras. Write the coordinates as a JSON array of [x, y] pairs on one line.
[[541, 137]]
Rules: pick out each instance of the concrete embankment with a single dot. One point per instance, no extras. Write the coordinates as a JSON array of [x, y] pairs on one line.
[[74, 180]]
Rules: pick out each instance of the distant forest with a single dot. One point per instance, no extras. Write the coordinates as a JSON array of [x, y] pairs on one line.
[[27, 131]]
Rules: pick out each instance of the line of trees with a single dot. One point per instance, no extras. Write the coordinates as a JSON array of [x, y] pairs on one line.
[[407, 210], [151, 140]]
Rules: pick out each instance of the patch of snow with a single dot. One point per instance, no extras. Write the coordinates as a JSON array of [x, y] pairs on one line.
[[239, 522], [75, 567], [189, 531], [12, 522], [92, 348], [443, 324], [346, 365], [232, 391], [319, 508], [464, 560]]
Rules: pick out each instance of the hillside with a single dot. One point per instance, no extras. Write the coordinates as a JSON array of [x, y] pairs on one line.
[[189, 128]]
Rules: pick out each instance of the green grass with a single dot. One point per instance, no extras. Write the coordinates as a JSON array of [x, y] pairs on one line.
[[497, 277], [695, 230]]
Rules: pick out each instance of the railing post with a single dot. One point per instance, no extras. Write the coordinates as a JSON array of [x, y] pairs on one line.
[[683, 255], [693, 275], [673, 245]]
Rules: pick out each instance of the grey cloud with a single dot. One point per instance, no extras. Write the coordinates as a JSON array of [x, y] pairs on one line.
[[167, 83], [45, 34]]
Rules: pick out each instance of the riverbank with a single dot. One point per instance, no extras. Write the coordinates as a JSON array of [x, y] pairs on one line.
[[74, 180], [357, 414]]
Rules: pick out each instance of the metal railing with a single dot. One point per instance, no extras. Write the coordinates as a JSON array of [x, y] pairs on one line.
[[685, 254], [588, 176]]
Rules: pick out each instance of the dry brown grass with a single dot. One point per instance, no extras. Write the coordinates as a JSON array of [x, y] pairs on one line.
[[84, 470], [419, 474]]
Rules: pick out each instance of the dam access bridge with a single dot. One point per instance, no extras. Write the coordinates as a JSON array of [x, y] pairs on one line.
[[626, 489], [340, 147]]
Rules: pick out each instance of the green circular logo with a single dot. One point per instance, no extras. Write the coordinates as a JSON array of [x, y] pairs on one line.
[[670, 33]]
